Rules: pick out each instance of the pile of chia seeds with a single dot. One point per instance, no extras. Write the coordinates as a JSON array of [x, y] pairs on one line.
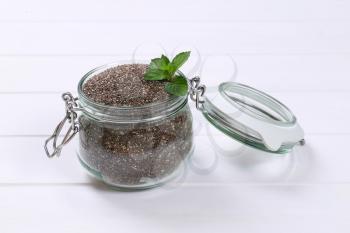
[[134, 154], [124, 85]]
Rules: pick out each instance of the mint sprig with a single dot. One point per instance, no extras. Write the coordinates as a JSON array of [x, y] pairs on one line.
[[164, 69]]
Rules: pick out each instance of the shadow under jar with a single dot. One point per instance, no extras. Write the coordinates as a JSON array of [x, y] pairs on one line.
[[134, 147]]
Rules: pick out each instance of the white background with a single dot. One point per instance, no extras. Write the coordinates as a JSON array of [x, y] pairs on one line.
[[298, 51]]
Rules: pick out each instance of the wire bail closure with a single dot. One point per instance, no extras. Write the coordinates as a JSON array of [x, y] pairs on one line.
[[71, 118], [197, 91]]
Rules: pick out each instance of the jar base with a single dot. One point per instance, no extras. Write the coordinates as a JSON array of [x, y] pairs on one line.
[[129, 188]]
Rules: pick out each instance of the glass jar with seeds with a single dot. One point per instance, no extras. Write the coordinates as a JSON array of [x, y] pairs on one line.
[[135, 124]]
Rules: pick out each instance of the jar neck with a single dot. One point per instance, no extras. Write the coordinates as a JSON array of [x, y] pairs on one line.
[[145, 113]]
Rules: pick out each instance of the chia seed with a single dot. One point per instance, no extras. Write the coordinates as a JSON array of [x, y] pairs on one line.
[[133, 154]]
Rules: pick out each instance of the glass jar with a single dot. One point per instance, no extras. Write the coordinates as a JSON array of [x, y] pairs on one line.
[[134, 147], [143, 147]]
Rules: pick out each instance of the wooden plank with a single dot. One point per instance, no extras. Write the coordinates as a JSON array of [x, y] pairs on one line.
[[241, 208], [216, 160], [38, 114], [111, 38], [182, 10], [268, 72]]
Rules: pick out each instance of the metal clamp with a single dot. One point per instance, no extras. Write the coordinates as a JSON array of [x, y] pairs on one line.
[[197, 92], [70, 117]]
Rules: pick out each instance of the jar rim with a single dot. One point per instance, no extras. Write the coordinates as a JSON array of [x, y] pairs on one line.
[[283, 117], [156, 108], [99, 69]]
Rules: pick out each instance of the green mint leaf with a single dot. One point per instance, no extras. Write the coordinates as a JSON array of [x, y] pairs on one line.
[[180, 79], [161, 63], [172, 69], [154, 74], [180, 59], [178, 86], [155, 63], [164, 69], [165, 59]]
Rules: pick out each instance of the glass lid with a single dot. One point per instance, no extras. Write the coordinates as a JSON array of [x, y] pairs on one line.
[[252, 117]]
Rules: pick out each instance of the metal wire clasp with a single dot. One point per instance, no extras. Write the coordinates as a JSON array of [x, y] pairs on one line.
[[70, 117], [197, 92]]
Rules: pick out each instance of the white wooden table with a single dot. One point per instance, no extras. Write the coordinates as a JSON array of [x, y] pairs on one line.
[[298, 51]]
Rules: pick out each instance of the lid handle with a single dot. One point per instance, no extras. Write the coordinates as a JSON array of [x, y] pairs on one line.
[[70, 117]]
